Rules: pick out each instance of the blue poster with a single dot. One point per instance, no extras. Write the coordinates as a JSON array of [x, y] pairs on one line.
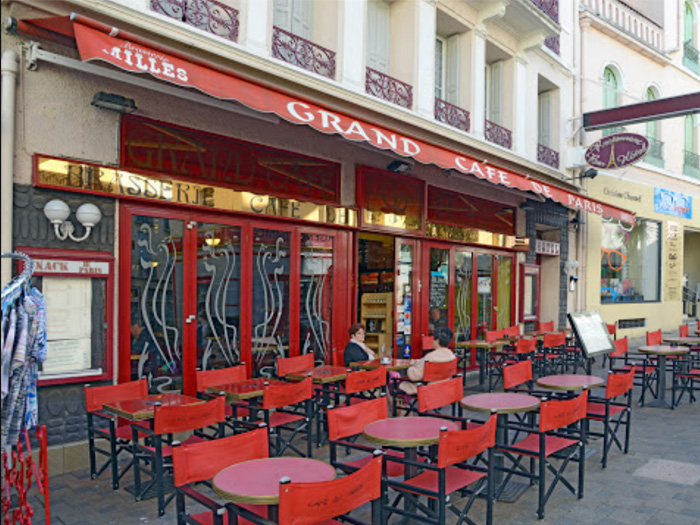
[[672, 203]]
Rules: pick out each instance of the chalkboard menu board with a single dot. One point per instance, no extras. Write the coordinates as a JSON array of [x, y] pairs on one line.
[[438, 290], [592, 333]]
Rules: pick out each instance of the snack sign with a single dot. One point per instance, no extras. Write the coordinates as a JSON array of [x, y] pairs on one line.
[[616, 151]]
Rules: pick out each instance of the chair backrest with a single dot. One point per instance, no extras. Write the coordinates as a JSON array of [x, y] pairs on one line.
[[558, 414], [621, 347], [364, 380], [202, 461], [457, 446], [511, 331], [96, 396], [184, 418], [655, 338], [222, 376], [517, 374], [525, 345], [544, 327], [554, 340], [289, 365], [438, 395], [282, 395], [351, 420], [619, 384], [612, 328], [493, 335], [308, 503], [426, 342], [435, 371], [683, 330]]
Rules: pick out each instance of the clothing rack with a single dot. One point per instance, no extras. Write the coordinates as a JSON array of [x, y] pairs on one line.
[[22, 281]]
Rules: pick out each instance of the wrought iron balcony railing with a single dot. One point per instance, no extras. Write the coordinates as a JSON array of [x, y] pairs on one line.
[[548, 156], [207, 15], [498, 134], [451, 115], [690, 57], [691, 159], [613, 130], [388, 88], [302, 53], [549, 8], [655, 155], [553, 44]]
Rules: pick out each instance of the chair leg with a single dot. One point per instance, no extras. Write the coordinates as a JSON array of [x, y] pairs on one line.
[[158, 471], [114, 453], [541, 487], [136, 463], [91, 447]]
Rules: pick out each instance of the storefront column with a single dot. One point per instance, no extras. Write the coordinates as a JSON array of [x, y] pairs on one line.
[[353, 55], [425, 84], [520, 106], [259, 26]]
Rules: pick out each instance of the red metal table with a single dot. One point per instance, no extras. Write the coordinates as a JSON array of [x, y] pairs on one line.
[[661, 351], [321, 374], [249, 389], [394, 365], [142, 409], [502, 403], [481, 347], [683, 341], [570, 382], [258, 481]]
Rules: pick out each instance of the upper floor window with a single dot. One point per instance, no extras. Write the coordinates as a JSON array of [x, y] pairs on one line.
[[690, 51], [295, 16], [691, 159], [378, 35], [611, 87], [494, 91], [440, 50], [655, 154], [689, 24]]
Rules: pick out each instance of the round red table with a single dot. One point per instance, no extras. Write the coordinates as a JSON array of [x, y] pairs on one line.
[[258, 481], [570, 382], [661, 351], [407, 432]]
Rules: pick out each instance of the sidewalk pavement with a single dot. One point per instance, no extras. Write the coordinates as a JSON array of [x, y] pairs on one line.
[[657, 482]]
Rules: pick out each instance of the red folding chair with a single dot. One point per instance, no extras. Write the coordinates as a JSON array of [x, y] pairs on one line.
[[432, 372], [117, 433], [326, 501], [550, 356], [290, 365], [432, 399], [686, 378], [169, 420], [207, 378], [544, 327], [200, 462], [612, 412], [453, 472], [561, 436], [683, 330], [645, 372], [364, 384], [655, 338]]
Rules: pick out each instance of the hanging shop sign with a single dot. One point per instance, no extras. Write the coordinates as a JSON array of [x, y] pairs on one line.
[[616, 151], [673, 203], [547, 247], [98, 42]]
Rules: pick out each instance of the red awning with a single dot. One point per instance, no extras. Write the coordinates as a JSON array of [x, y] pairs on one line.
[[97, 41]]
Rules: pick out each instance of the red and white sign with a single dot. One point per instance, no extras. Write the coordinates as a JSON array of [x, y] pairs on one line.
[[94, 44], [57, 266], [547, 247]]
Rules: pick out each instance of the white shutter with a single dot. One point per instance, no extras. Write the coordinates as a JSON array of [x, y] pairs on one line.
[[452, 70], [544, 102], [494, 74], [282, 16], [439, 68], [302, 18], [378, 35]]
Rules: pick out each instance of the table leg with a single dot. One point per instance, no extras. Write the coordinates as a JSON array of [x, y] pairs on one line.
[[660, 401]]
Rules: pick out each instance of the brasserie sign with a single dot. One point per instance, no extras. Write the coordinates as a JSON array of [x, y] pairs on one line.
[[616, 151]]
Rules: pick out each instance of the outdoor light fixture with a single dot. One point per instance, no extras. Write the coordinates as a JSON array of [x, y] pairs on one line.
[[113, 102], [398, 166], [590, 173], [57, 212], [576, 223]]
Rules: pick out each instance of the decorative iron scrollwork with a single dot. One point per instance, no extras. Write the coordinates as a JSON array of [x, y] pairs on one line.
[[207, 15], [388, 88], [302, 53], [451, 115], [498, 134], [548, 156]]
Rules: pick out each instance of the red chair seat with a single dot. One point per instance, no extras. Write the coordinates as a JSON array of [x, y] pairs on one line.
[[455, 479], [241, 412], [168, 450], [206, 518], [693, 373], [283, 418], [123, 432], [597, 410], [552, 444], [638, 370], [392, 468]]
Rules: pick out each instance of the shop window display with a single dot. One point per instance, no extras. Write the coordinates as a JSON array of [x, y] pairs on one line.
[[630, 261]]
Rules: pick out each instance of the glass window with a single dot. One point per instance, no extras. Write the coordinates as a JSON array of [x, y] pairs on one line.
[[630, 261]]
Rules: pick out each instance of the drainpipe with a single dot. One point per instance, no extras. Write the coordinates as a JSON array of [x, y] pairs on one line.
[[10, 68]]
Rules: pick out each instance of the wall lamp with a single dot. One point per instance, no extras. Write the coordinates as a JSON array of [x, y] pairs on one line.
[[590, 173], [113, 102], [576, 223], [398, 166], [57, 212]]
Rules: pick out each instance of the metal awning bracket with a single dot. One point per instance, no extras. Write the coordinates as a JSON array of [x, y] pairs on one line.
[[31, 55]]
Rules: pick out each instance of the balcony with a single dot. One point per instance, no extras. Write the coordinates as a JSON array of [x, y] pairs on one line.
[[690, 57], [302, 53], [691, 164], [388, 88], [552, 43], [451, 115], [548, 156], [655, 155], [549, 8], [622, 17], [613, 131], [208, 15], [498, 134]]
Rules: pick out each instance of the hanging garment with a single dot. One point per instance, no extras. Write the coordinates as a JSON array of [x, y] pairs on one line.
[[8, 343], [36, 353]]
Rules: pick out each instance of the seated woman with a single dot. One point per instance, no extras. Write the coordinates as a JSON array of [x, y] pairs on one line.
[[441, 354], [356, 350]]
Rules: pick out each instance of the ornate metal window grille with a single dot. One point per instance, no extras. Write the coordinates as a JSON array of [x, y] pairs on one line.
[[498, 134], [691, 159], [302, 53], [388, 88], [548, 156], [656, 148], [451, 115], [552, 43], [207, 15], [549, 8], [690, 57]]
